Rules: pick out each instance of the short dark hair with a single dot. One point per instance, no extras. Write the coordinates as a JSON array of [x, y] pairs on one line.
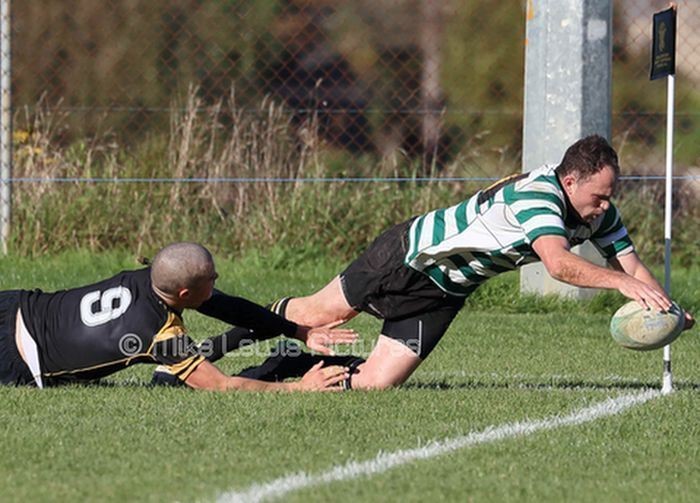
[[587, 157], [181, 265]]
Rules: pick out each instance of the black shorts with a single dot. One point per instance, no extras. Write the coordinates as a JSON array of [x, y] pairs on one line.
[[13, 370], [415, 310]]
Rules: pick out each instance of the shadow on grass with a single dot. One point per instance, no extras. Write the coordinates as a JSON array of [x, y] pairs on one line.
[[126, 384], [438, 385], [566, 384]]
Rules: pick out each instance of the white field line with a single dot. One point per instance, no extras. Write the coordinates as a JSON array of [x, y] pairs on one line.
[[387, 460]]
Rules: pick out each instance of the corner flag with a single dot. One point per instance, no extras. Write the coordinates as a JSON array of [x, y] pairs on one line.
[[663, 64], [663, 48]]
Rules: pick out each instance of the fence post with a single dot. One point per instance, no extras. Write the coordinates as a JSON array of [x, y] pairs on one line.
[[567, 96], [5, 125]]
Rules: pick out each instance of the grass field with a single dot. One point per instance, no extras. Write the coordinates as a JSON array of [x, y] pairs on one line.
[[505, 365]]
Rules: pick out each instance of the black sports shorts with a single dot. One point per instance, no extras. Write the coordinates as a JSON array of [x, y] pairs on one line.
[[415, 310], [13, 370]]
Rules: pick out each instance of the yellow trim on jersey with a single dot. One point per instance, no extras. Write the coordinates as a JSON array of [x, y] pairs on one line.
[[503, 180], [185, 368], [172, 327]]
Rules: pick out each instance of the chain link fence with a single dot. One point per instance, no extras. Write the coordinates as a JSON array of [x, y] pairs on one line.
[[431, 85], [417, 76], [435, 80]]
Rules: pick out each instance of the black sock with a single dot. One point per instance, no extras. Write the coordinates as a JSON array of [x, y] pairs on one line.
[[279, 307], [289, 361]]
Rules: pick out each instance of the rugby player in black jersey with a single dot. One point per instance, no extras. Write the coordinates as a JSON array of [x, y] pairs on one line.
[[85, 333]]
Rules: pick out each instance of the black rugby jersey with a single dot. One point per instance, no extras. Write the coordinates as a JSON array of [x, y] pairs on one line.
[[89, 332]]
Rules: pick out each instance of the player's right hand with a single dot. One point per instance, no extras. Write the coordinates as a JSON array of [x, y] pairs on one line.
[[320, 378], [320, 339], [647, 296]]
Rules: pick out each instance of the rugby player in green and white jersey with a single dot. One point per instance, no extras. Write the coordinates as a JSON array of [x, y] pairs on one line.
[[417, 275]]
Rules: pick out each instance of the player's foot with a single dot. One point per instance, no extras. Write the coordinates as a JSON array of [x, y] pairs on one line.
[[163, 377]]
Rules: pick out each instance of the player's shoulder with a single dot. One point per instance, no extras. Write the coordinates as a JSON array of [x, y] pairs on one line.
[[543, 179], [129, 278], [539, 188]]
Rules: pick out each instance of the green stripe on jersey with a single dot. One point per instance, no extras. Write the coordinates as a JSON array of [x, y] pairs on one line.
[[533, 196], [415, 238], [616, 247], [468, 271], [439, 227], [526, 215], [461, 216], [447, 284], [546, 231]]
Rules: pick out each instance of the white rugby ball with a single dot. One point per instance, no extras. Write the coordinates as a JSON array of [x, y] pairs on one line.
[[634, 327]]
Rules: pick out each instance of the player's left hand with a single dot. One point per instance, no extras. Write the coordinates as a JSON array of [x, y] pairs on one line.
[[320, 339]]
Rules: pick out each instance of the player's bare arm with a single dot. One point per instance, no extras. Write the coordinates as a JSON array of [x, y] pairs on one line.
[[565, 266], [631, 264], [208, 377]]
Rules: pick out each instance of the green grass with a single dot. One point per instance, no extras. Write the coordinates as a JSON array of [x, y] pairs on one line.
[[504, 360]]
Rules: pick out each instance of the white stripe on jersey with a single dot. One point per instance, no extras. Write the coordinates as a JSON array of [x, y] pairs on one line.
[[533, 185], [519, 206], [543, 221], [451, 222], [425, 240]]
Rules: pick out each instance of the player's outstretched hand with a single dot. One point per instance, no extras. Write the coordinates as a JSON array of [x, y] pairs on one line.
[[320, 339], [320, 378], [646, 295]]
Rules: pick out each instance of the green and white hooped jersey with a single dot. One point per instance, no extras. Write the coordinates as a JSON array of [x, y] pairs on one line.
[[492, 232]]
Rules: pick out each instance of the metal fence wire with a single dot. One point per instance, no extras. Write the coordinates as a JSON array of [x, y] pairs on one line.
[[436, 80]]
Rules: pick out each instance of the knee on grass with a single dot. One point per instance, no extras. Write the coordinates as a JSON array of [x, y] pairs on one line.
[[366, 380]]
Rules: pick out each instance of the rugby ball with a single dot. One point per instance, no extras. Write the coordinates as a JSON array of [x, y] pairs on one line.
[[634, 327]]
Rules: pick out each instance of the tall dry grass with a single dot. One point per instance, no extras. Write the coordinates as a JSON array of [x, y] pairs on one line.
[[216, 144], [261, 148]]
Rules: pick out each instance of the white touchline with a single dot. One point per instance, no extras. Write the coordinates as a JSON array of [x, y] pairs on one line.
[[386, 461]]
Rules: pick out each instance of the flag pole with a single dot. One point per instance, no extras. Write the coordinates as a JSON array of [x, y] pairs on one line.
[[667, 380], [663, 64]]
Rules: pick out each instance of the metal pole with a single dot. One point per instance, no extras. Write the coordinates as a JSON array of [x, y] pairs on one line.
[[568, 75], [667, 381], [5, 125]]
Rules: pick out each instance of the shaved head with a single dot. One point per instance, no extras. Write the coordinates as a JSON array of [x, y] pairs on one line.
[[181, 265]]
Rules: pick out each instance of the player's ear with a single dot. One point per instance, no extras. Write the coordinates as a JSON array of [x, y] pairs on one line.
[[183, 293], [568, 183]]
